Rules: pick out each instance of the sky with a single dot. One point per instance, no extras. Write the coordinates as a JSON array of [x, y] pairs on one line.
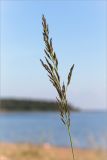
[[79, 33]]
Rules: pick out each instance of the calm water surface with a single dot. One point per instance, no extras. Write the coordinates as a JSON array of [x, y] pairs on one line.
[[88, 129]]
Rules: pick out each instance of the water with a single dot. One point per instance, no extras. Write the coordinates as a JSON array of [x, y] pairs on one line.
[[87, 129]]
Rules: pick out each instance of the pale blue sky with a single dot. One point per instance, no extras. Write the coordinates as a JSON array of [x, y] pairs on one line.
[[78, 29]]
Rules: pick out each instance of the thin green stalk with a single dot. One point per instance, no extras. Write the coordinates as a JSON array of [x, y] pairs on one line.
[[69, 133]]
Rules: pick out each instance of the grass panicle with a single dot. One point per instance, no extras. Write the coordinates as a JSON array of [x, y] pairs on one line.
[[51, 66]]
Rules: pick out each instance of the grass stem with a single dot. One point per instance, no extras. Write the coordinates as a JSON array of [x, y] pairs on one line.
[[69, 133], [51, 66]]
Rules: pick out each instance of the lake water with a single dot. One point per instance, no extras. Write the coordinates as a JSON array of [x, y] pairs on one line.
[[87, 129]]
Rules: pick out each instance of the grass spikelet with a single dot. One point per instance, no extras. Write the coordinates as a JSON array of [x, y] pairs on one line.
[[70, 74]]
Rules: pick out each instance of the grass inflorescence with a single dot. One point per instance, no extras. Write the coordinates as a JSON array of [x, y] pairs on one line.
[[51, 66]]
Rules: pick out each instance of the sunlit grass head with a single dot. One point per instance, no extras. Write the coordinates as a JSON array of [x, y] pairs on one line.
[[51, 66]]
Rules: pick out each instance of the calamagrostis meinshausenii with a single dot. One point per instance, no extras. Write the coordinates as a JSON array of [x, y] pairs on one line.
[[51, 66]]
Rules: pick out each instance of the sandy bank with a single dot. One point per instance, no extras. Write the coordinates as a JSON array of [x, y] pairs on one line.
[[47, 152]]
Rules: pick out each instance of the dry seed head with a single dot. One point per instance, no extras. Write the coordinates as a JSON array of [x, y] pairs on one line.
[[52, 68]]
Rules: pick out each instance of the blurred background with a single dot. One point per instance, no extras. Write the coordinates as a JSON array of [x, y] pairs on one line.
[[79, 32]]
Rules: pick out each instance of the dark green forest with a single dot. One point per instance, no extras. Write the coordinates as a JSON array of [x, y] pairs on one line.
[[29, 105]]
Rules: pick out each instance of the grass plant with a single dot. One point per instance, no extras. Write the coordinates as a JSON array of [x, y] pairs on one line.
[[51, 66]]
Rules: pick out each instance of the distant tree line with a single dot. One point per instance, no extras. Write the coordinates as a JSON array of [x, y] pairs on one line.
[[29, 105]]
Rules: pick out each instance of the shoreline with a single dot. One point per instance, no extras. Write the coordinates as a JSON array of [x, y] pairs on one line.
[[22, 151]]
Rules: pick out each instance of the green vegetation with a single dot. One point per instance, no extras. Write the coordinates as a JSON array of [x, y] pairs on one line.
[[29, 105], [51, 66]]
